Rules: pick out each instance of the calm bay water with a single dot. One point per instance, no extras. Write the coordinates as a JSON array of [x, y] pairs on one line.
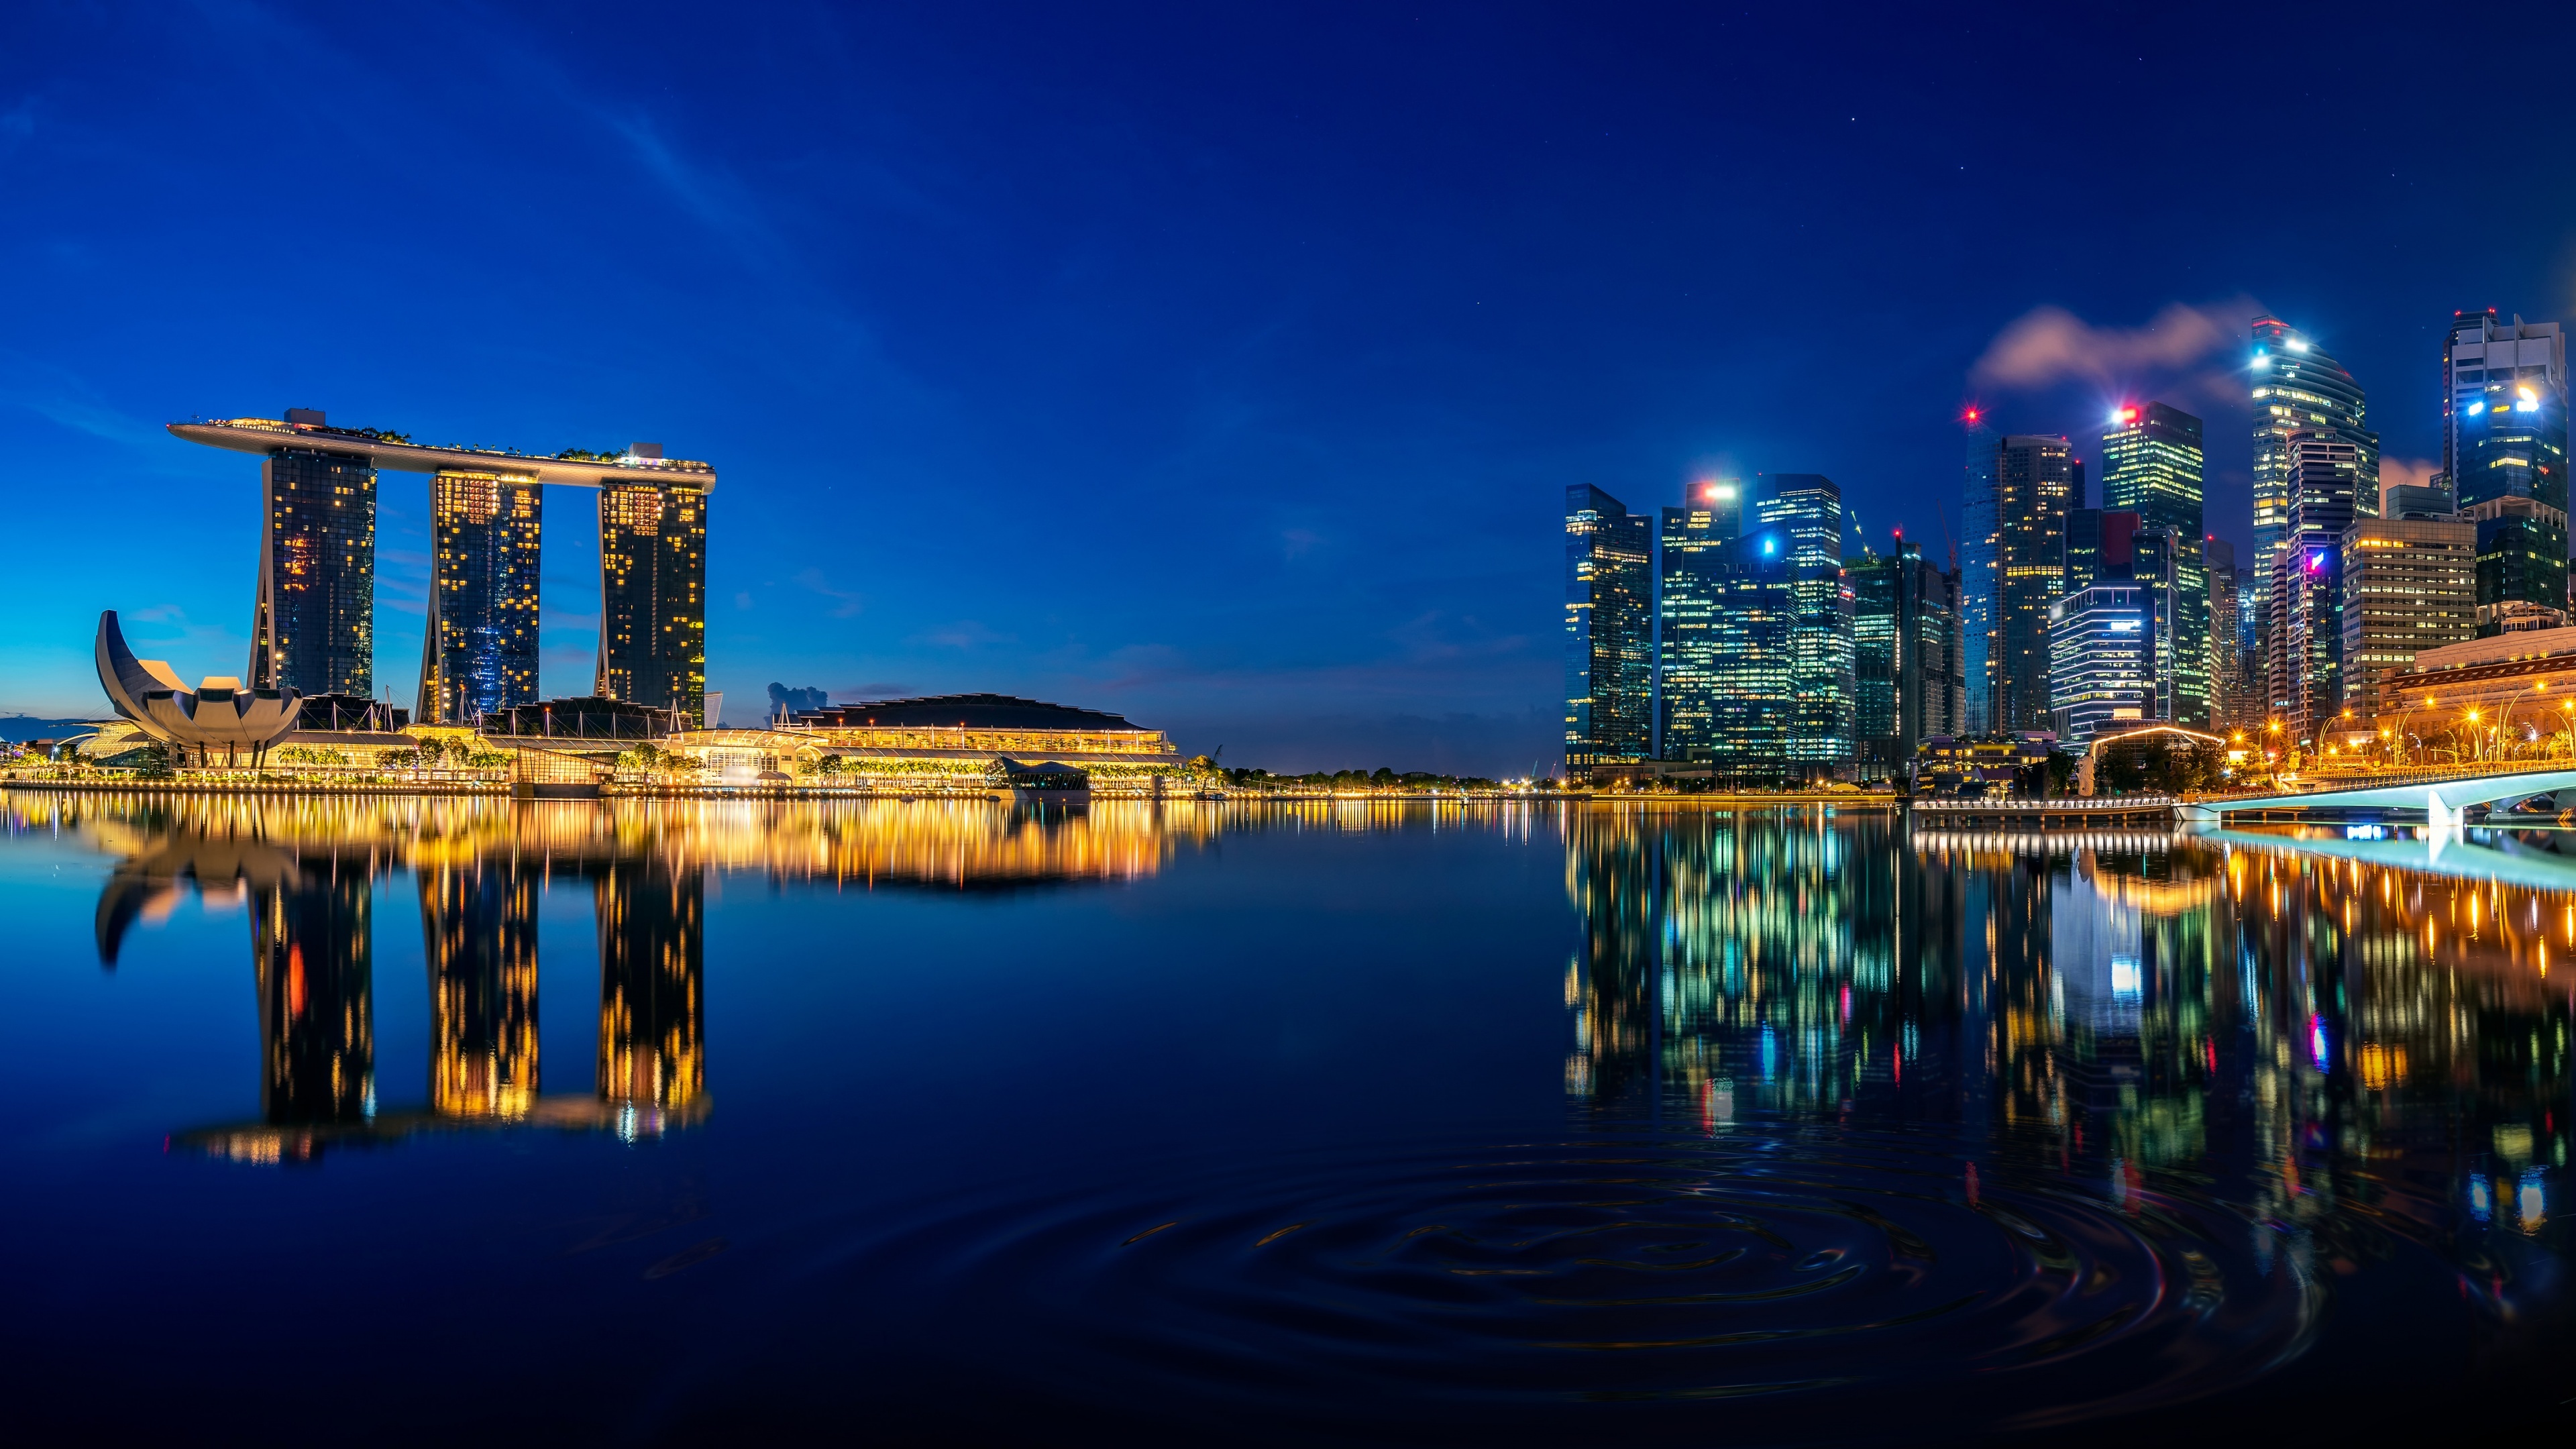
[[402, 1120]]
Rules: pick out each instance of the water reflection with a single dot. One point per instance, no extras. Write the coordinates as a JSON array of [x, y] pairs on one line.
[[308, 869], [2240, 1070]]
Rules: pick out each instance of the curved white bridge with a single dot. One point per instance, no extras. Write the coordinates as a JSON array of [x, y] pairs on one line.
[[2440, 800]]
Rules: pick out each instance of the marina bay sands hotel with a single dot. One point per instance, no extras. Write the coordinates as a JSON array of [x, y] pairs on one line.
[[313, 627]]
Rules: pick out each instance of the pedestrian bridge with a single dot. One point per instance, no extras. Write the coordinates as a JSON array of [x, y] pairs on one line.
[[2440, 798]]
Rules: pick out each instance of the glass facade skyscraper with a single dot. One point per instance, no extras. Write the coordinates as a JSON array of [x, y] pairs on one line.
[[653, 596], [2034, 488], [313, 627], [1802, 514], [2101, 658], [1980, 603], [2297, 387], [1609, 631], [479, 648], [1695, 552], [2151, 466], [2504, 452], [1905, 651]]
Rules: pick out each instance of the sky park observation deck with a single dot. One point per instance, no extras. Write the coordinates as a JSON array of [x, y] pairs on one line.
[[313, 624]]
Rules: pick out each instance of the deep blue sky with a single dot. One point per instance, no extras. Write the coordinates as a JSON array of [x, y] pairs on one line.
[[1215, 365]]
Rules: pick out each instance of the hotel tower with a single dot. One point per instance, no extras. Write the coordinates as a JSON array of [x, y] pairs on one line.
[[313, 626]]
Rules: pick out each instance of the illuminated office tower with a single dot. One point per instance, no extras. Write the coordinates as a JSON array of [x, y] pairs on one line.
[[479, 924], [2504, 453], [2229, 702], [478, 652], [2325, 484], [1802, 515], [1905, 651], [2101, 659], [1753, 712], [2035, 482], [311, 940], [2151, 465], [313, 628], [651, 983], [1609, 632], [1979, 602], [653, 595], [2298, 388], [2409, 584], [1694, 550]]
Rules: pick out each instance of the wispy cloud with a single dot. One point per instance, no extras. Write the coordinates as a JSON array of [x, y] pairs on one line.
[[65, 400], [965, 634], [846, 604], [2050, 345]]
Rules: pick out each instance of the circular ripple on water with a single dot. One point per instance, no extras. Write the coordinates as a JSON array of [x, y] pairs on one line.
[[1765, 1270]]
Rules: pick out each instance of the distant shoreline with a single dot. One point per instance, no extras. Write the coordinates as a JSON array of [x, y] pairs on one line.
[[501, 790]]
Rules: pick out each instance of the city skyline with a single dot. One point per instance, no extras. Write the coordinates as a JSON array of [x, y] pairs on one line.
[[1262, 287]]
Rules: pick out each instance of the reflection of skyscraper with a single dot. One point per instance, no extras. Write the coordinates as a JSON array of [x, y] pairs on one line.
[[479, 649], [653, 595], [479, 921], [313, 628], [651, 973], [310, 954], [1609, 631]]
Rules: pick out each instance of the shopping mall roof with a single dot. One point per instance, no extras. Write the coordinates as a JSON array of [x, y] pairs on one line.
[[963, 711]]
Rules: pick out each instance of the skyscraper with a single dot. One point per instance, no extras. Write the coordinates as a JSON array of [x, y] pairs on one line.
[[1753, 712], [2297, 387], [2034, 488], [653, 595], [1980, 602], [2101, 658], [1609, 632], [2409, 584], [313, 628], [1692, 581], [2504, 453], [1803, 512], [479, 648], [2230, 703], [2324, 481], [2151, 465], [1905, 647]]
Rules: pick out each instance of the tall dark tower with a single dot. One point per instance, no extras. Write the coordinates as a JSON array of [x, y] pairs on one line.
[[653, 594], [478, 651], [1609, 631], [2034, 488], [313, 628], [2504, 453]]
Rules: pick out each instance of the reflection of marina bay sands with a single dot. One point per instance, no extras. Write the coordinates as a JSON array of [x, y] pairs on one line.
[[312, 952], [313, 624], [308, 867]]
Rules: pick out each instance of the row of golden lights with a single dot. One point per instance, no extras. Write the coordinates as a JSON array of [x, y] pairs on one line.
[[2358, 738]]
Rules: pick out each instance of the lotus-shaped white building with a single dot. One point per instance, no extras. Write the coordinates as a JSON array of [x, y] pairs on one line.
[[218, 722]]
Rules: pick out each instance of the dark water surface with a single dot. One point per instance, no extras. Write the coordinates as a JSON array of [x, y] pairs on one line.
[[402, 1121]]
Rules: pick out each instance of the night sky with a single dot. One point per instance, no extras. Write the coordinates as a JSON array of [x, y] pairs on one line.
[[1217, 365]]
